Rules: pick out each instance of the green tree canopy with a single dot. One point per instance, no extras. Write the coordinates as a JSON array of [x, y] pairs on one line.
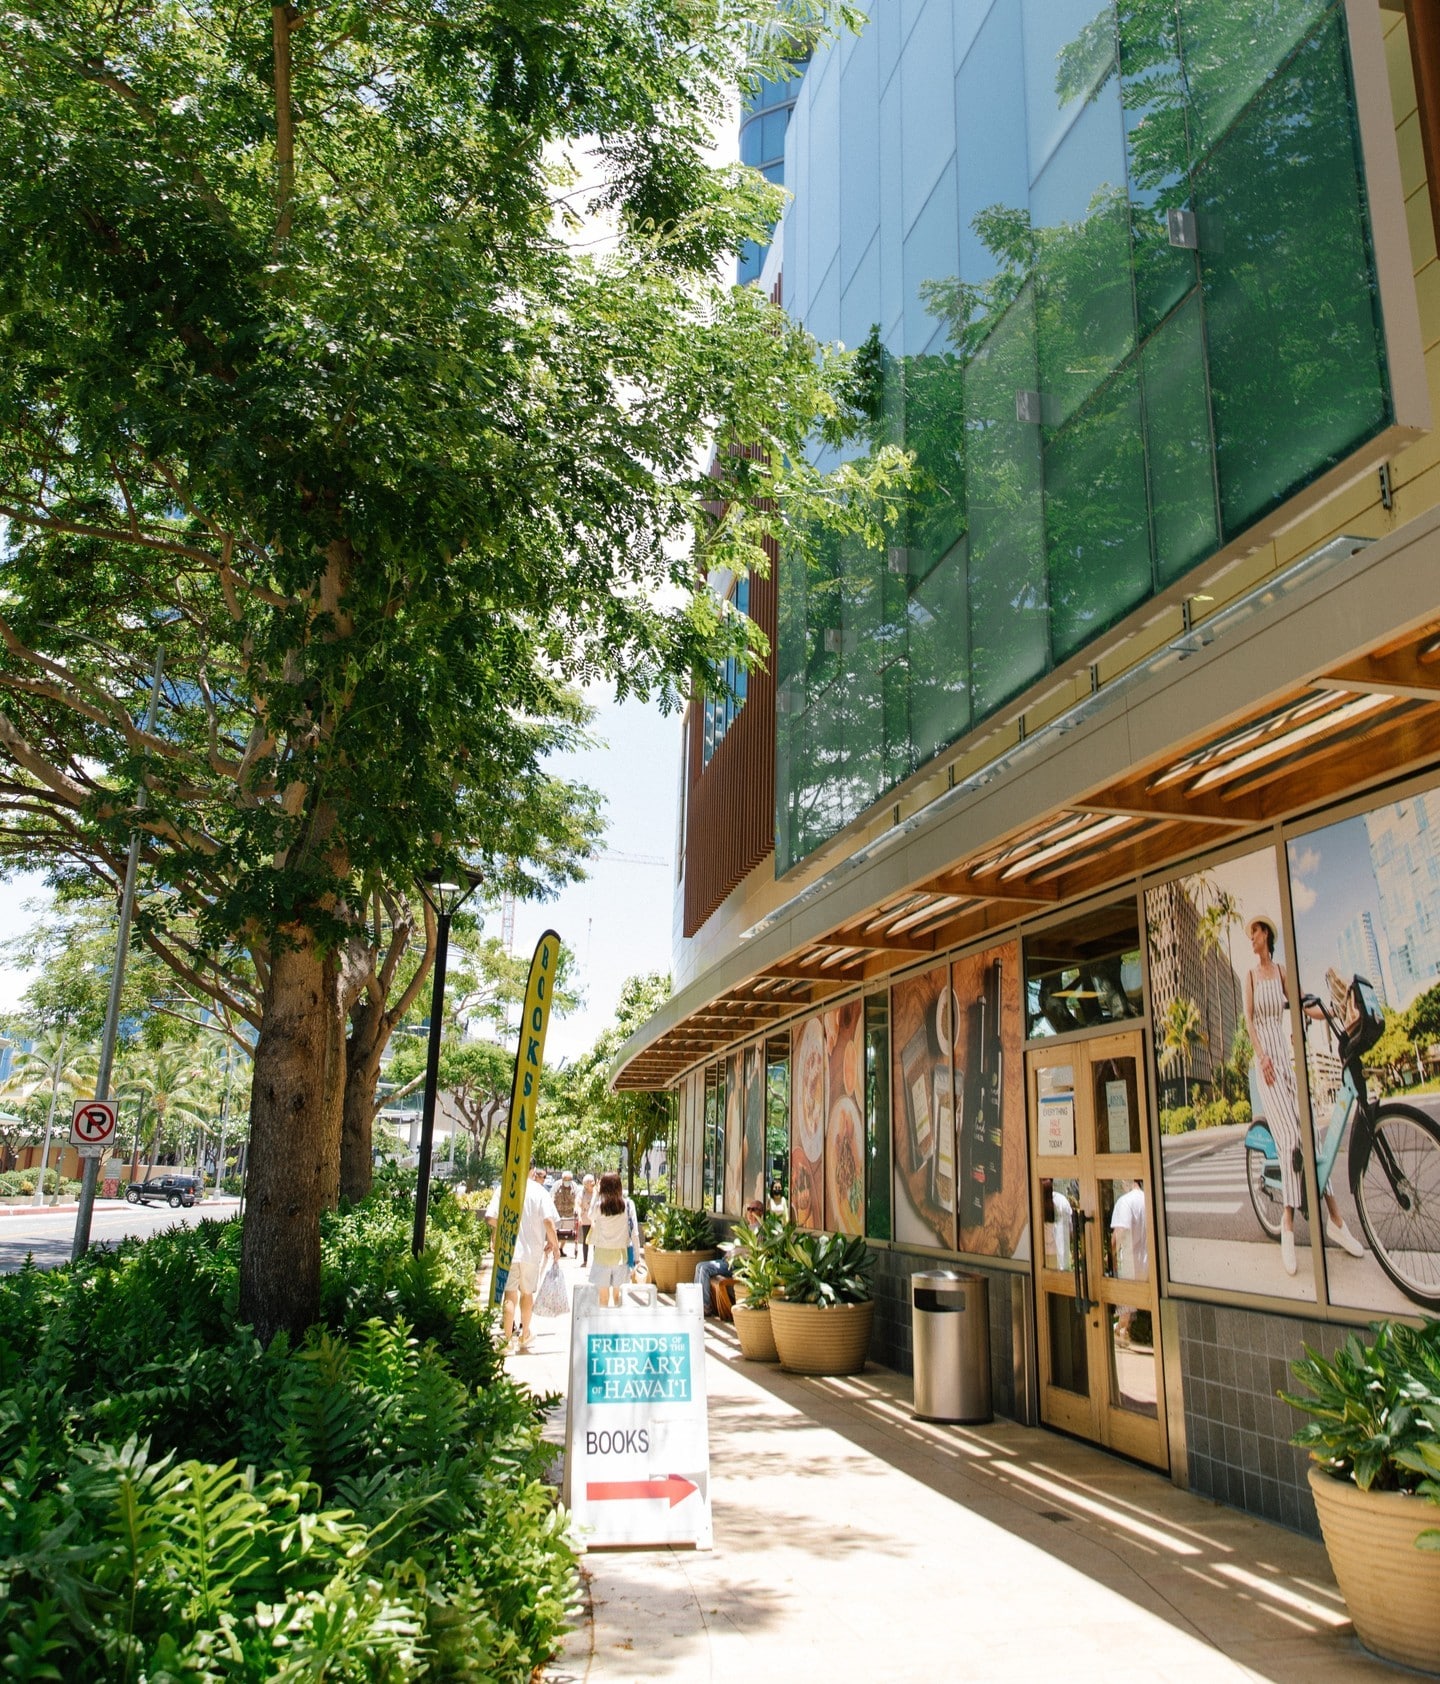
[[304, 384]]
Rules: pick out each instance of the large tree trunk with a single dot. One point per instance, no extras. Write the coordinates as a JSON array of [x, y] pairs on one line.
[[366, 1042], [292, 1169]]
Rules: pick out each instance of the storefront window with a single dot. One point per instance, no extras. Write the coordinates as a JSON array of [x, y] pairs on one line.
[[777, 1116], [1083, 973]]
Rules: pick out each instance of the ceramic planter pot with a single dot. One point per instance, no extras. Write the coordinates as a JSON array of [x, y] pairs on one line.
[[821, 1338], [757, 1336], [667, 1268], [1391, 1589]]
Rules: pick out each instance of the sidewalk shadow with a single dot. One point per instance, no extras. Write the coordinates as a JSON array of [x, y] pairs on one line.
[[1261, 1595]]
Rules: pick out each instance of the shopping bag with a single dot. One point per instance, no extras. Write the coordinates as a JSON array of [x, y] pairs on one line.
[[553, 1298]]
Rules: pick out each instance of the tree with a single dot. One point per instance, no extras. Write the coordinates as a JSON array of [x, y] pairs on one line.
[[57, 1067], [304, 387], [594, 1114], [175, 1098], [1181, 1032]]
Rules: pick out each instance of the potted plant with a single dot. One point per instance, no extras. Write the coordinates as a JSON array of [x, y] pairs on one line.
[[757, 1279], [680, 1240], [822, 1315], [1374, 1438]]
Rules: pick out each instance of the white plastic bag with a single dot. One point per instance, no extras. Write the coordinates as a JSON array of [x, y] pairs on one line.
[[553, 1298]]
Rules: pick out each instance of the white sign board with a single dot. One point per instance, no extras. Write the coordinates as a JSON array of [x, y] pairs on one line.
[[1117, 1115], [1056, 1135], [637, 1440], [92, 1126]]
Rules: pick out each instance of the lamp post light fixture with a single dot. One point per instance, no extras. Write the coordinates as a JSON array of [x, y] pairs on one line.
[[444, 898]]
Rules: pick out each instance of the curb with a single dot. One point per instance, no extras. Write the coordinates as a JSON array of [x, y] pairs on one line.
[[25, 1208]]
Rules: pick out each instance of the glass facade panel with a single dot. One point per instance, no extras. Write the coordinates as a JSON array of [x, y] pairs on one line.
[[1093, 244], [1097, 528], [1232, 48], [1008, 622], [1081, 227], [1178, 448], [1284, 247]]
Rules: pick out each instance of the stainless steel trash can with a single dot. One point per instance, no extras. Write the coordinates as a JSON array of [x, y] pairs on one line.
[[950, 1317]]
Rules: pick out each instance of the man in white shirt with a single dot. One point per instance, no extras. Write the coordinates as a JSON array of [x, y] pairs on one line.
[[1129, 1251], [535, 1241]]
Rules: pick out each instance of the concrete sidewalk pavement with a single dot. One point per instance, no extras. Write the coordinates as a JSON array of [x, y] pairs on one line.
[[855, 1543]]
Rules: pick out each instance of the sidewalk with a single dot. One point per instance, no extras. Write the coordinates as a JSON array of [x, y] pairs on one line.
[[854, 1543]]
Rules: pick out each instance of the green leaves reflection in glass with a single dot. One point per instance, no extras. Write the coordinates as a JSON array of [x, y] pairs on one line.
[[1173, 328]]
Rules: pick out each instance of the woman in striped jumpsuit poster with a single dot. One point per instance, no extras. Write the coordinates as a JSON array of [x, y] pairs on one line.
[[1267, 1016]]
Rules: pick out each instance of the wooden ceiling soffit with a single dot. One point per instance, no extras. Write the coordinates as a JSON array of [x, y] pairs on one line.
[[878, 941], [1128, 858], [795, 972], [1320, 768], [1135, 799], [1413, 671], [1392, 748], [987, 887]]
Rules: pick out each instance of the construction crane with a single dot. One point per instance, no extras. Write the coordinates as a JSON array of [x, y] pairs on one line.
[[507, 900]]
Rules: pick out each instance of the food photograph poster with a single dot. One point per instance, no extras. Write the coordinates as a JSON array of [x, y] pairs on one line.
[[1366, 913], [989, 1080], [1231, 1149], [922, 1035], [827, 1147], [844, 1120]]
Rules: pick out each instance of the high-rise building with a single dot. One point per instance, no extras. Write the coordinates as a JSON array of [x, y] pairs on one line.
[[1151, 295], [1360, 955], [1405, 852]]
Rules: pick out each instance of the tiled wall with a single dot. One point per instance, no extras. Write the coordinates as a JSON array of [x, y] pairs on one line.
[[1238, 1431], [892, 1341]]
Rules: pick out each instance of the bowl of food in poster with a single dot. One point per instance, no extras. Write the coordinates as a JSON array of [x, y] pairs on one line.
[[810, 1090], [845, 1166], [947, 1020]]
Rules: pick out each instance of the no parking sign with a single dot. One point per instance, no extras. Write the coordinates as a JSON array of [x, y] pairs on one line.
[[92, 1126]]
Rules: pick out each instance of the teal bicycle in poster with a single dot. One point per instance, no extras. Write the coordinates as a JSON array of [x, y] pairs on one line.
[[1393, 1164]]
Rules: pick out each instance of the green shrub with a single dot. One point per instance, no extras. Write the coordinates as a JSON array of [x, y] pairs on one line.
[[20, 1183], [1374, 1407], [367, 1505], [674, 1228], [823, 1268]]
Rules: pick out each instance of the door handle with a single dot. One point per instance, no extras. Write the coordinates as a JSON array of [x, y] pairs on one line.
[[1080, 1264]]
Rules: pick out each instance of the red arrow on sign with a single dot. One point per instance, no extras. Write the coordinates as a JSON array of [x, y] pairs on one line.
[[673, 1486]]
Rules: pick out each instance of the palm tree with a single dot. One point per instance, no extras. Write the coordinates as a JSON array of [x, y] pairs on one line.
[[174, 1090], [1181, 1033], [53, 1064]]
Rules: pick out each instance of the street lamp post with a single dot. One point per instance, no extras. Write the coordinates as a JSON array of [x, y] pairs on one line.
[[91, 1173], [445, 900]]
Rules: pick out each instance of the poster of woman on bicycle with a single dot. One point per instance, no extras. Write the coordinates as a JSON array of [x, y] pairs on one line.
[[1367, 936], [1232, 1153]]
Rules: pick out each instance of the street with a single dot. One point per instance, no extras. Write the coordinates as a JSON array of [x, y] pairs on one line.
[[48, 1233]]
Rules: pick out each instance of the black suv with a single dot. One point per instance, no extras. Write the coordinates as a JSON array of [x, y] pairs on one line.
[[176, 1190]]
